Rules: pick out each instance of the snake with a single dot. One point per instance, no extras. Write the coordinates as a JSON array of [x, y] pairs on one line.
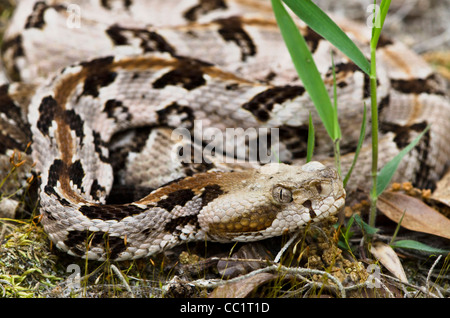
[[100, 88]]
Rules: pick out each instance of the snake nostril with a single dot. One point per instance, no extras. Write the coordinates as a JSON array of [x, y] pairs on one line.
[[308, 204]]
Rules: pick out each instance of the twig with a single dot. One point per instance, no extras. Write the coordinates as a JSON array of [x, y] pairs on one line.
[[2, 281], [297, 272], [368, 284], [418, 288], [285, 247], [430, 271]]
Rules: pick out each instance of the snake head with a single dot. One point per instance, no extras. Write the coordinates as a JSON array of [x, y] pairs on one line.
[[271, 201]]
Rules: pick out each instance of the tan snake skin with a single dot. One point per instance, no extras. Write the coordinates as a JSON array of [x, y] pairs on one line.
[[148, 67]]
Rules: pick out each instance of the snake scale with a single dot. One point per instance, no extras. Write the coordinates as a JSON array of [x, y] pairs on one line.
[[102, 85]]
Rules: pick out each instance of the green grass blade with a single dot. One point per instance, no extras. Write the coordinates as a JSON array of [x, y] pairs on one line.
[[397, 228], [362, 134], [319, 21], [311, 140], [305, 66], [411, 244], [386, 173], [346, 234], [337, 128], [369, 230]]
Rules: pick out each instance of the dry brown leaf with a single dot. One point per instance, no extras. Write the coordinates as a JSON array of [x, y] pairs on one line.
[[418, 216], [387, 256], [241, 288], [442, 192]]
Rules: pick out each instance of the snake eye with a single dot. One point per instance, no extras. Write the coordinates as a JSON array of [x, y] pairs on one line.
[[282, 195]]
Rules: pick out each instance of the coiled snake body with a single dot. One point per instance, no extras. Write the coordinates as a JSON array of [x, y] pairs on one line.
[[148, 67]]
